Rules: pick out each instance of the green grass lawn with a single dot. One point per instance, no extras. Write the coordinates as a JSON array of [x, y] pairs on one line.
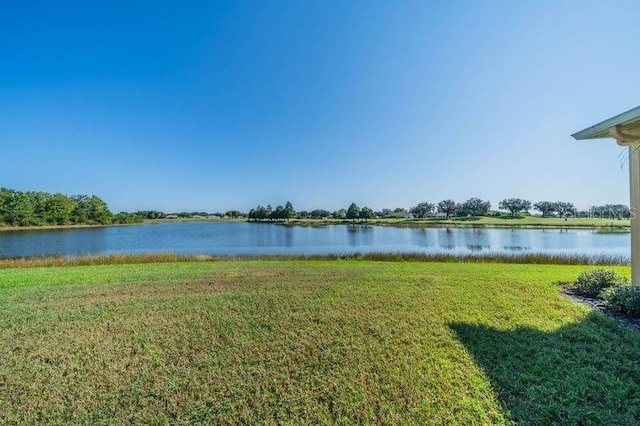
[[310, 342]]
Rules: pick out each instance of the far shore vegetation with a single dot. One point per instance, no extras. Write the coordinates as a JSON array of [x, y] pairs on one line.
[[26, 210]]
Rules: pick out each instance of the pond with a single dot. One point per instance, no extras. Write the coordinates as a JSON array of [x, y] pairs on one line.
[[220, 238]]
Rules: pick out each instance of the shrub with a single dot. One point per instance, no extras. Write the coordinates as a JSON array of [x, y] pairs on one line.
[[625, 299], [591, 283]]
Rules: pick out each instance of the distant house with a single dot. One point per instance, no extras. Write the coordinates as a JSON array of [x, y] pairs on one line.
[[171, 216]]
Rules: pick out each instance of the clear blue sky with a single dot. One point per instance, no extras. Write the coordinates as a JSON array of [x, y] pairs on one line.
[[217, 105]]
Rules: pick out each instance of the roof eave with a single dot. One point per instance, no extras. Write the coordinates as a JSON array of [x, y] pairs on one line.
[[601, 130]]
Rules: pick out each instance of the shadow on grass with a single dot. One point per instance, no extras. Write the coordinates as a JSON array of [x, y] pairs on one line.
[[583, 373]]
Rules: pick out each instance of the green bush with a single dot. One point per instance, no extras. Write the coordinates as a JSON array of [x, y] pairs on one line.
[[591, 283], [625, 299]]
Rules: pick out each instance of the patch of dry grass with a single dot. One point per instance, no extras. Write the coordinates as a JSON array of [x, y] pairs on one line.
[[134, 259]]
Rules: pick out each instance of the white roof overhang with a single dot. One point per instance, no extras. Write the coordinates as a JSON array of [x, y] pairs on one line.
[[625, 123]]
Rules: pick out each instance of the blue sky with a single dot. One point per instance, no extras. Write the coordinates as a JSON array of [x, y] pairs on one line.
[[217, 105]]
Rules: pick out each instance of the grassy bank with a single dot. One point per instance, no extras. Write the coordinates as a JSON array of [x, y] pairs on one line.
[[6, 228], [495, 222], [134, 259], [349, 341]]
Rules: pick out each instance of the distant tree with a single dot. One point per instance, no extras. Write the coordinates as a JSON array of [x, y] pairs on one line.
[[81, 211], [6, 195], [59, 209], [610, 211], [289, 211], [150, 214], [422, 210], [21, 210], [127, 218], [319, 214], [353, 212], [475, 207], [339, 214], [515, 205], [366, 213], [40, 215], [385, 212], [619, 211], [277, 214], [399, 210], [42, 208], [99, 211], [91, 210], [545, 207], [447, 207], [259, 213], [562, 208], [234, 214], [302, 214]]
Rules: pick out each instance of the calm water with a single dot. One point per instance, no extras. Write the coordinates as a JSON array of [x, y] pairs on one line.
[[252, 238]]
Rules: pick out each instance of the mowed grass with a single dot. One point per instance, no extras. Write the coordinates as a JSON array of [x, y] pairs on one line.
[[292, 341]]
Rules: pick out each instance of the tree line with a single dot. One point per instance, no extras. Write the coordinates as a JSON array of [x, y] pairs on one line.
[[261, 213], [31, 208], [518, 206], [37, 208], [473, 207], [286, 212]]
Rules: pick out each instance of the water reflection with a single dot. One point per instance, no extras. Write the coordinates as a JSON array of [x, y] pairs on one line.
[[288, 237], [360, 235], [516, 248], [448, 240], [250, 238]]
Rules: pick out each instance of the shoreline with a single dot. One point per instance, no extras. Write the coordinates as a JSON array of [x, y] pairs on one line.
[[611, 228], [482, 223], [53, 227]]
